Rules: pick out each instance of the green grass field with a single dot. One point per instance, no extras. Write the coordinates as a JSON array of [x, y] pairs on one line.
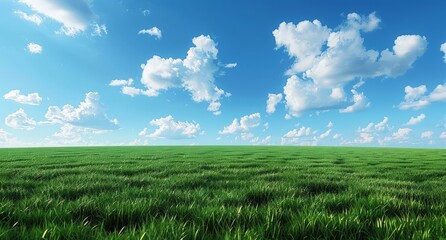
[[222, 193]]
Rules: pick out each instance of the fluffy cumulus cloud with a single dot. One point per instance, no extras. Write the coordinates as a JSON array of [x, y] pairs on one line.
[[299, 136], [414, 98], [401, 135], [439, 94], [118, 82], [427, 135], [371, 132], [30, 99], [71, 135], [245, 124], [416, 120], [325, 134], [34, 48], [301, 132], [443, 49], [364, 138], [273, 100], [75, 16], [154, 31], [378, 127], [89, 114], [326, 60], [195, 74], [244, 129], [443, 135], [302, 95], [168, 128], [304, 136], [360, 102], [19, 120], [35, 18], [417, 97]]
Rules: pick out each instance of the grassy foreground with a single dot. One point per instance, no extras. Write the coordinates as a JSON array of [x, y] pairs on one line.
[[222, 193]]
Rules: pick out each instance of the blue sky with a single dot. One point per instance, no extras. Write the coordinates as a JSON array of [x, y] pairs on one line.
[[344, 73]]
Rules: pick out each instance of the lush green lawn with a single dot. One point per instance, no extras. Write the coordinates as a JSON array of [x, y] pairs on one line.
[[222, 192]]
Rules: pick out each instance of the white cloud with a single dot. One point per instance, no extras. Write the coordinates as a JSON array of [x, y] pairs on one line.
[[245, 124], [325, 134], [303, 136], [295, 133], [247, 135], [214, 108], [369, 128], [414, 98], [400, 135], [127, 88], [154, 31], [31, 18], [168, 128], [443, 135], [439, 93], [302, 95], [273, 100], [337, 136], [30, 99], [89, 114], [416, 120], [75, 16], [98, 30], [161, 74], [131, 91], [34, 48], [303, 41], [234, 127], [381, 126], [427, 135], [417, 98], [443, 49], [69, 131], [19, 120], [4, 136], [330, 125], [146, 12], [195, 73], [259, 141], [266, 140], [371, 132], [365, 138], [360, 102], [118, 82], [231, 65], [70, 135], [143, 132], [8, 140], [328, 60], [249, 122]]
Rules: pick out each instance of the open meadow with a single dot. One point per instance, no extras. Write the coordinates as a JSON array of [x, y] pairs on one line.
[[233, 192]]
